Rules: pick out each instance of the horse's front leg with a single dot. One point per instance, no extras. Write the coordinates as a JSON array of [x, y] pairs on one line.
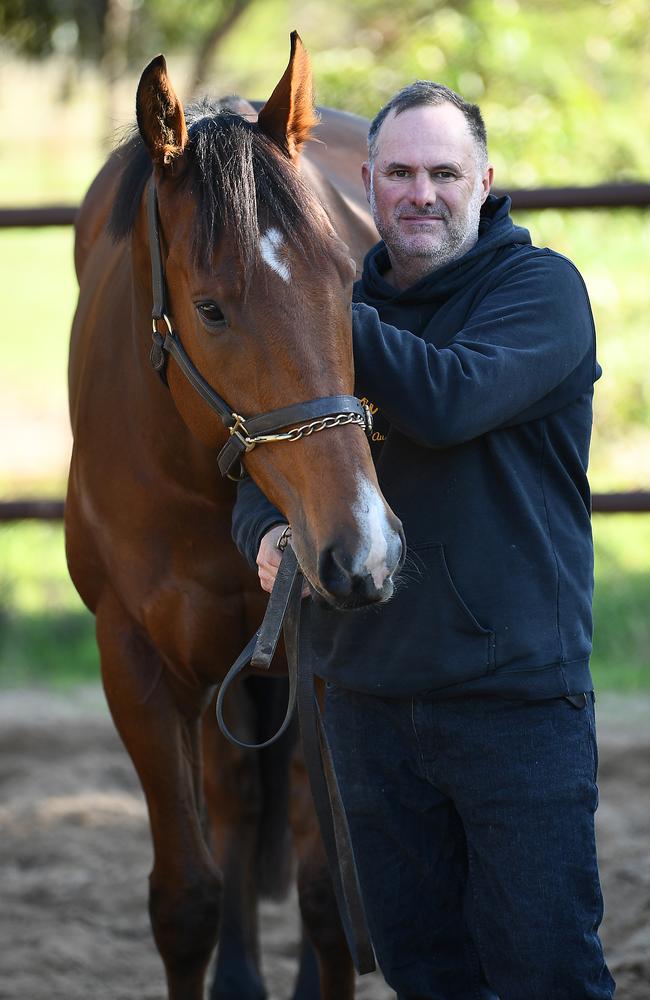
[[234, 802], [184, 885]]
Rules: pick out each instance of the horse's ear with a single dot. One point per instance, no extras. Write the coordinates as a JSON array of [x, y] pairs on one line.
[[160, 115], [289, 114]]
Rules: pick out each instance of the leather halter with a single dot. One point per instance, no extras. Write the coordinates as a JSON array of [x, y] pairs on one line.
[[245, 432]]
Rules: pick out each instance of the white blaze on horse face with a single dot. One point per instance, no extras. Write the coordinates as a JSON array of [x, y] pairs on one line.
[[270, 247], [372, 517]]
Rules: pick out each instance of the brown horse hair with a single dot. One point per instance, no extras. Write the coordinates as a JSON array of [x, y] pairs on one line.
[[240, 181]]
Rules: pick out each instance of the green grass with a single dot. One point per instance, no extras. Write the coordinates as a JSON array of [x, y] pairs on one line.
[[40, 291], [47, 636], [621, 660]]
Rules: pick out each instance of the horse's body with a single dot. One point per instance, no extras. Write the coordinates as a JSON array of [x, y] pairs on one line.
[[148, 516]]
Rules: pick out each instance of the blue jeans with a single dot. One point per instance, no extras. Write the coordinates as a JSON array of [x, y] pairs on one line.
[[472, 822]]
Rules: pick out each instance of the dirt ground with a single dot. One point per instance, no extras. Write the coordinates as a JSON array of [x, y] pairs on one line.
[[74, 856]]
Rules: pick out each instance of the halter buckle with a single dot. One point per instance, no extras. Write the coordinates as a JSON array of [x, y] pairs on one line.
[[367, 415], [240, 431], [157, 353]]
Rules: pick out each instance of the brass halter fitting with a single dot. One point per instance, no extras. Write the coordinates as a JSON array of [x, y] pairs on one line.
[[239, 430]]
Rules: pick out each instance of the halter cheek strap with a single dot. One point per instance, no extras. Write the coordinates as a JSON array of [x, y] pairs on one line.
[[245, 433]]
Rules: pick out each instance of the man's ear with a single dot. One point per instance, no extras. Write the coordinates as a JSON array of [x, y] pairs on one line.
[[289, 114], [366, 177], [160, 116], [486, 180]]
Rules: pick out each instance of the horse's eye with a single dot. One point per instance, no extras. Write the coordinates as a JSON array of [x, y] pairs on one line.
[[210, 312]]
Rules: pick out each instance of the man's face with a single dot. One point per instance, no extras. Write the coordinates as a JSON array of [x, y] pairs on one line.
[[426, 188]]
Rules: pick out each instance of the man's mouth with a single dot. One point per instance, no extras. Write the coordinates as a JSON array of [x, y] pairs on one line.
[[421, 219]]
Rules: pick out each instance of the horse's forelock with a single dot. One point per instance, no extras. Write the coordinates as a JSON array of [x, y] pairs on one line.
[[236, 176]]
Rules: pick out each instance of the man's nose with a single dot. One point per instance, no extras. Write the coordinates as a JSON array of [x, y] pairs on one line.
[[423, 190]]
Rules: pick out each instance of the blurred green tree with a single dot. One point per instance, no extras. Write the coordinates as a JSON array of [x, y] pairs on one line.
[[119, 33], [553, 79]]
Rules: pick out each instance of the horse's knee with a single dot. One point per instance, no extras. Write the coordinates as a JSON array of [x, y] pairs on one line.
[[323, 927], [185, 923], [319, 911]]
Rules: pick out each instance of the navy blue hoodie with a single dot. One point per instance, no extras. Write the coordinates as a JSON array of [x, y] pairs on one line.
[[482, 373]]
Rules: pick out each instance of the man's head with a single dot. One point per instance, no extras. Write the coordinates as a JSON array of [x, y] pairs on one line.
[[426, 177]]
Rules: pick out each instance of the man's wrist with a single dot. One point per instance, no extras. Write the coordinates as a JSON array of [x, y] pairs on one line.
[[268, 528]]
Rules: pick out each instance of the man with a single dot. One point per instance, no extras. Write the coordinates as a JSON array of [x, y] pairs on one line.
[[461, 713]]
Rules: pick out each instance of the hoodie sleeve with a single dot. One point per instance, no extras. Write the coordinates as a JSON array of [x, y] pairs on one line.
[[526, 350], [253, 515]]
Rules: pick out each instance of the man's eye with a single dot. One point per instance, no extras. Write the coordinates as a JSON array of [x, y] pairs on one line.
[[444, 175], [210, 312], [400, 173]]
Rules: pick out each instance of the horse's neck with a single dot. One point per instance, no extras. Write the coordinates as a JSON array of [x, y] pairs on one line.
[[348, 213], [332, 167]]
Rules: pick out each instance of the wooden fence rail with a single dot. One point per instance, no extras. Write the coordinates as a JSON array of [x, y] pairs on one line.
[[632, 195], [634, 502]]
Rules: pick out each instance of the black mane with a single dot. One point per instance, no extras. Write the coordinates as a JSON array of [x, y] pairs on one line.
[[238, 179]]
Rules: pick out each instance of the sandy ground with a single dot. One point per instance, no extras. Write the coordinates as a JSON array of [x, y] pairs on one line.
[[74, 856]]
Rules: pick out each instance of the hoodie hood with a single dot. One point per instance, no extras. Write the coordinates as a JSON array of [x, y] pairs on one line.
[[496, 231]]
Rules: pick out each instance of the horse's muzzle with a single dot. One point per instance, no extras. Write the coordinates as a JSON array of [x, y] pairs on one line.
[[348, 582]]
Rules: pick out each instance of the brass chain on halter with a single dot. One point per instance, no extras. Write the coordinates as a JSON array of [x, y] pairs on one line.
[[296, 433]]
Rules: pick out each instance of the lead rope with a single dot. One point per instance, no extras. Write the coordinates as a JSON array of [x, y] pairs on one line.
[[284, 611]]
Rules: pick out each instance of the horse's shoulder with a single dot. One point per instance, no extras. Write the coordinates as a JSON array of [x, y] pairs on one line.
[[332, 165]]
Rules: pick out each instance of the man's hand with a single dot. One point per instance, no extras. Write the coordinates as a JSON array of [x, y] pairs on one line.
[[269, 557]]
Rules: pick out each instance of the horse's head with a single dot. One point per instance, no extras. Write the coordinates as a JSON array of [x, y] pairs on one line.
[[258, 289]]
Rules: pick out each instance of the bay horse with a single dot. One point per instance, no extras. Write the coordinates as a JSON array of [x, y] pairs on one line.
[[256, 244]]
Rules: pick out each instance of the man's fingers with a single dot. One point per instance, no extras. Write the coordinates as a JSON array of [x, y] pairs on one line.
[[269, 557]]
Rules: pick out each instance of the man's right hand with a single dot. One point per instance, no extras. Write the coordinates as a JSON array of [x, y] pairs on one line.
[[269, 557]]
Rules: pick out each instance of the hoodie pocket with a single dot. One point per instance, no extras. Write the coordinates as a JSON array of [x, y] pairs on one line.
[[459, 643], [424, 639]]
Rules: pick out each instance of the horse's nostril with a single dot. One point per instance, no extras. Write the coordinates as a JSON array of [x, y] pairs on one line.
[[334, 574], [346, 584]]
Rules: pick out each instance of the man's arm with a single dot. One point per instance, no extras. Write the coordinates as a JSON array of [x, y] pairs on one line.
[[526, 351]]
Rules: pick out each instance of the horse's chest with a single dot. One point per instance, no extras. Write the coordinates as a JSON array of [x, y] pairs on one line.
[[197, 630]]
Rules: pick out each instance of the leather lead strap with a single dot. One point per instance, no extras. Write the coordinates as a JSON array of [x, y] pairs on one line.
[[326, 794], [284, 611], [268, 633], [259, 651]]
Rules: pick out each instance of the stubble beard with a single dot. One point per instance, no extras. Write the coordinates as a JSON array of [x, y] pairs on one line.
[[420, 253]]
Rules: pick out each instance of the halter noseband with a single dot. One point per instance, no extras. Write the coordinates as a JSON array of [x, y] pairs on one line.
[[245, 433]]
